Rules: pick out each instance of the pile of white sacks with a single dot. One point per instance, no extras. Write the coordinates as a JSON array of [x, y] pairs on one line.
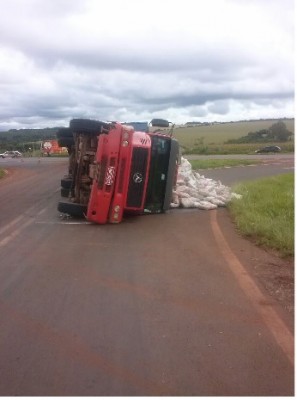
[[195, 191]]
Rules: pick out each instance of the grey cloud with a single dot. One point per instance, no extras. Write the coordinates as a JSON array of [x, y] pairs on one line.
[[51, 71], [40, 10], [101, 57], [219, 107]]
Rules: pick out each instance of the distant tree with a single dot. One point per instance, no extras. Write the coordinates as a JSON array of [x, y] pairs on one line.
[[279, 132], [276, 132]]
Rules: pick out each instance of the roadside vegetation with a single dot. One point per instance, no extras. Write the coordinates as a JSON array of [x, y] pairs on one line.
[[24, 139], [266, 212], [277, 131], [212, 163]]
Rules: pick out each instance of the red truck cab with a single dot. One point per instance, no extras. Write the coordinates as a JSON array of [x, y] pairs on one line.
[[119, 171]]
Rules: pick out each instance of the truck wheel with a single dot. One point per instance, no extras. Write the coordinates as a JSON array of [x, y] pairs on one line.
[[66, 183], [74, 209], [64, 132], [88, 126], [66, 141]]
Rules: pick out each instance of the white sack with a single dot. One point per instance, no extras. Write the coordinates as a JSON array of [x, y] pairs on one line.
[[195, 191]]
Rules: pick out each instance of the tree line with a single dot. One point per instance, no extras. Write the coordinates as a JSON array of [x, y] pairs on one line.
[[23, 139], [277, 132]]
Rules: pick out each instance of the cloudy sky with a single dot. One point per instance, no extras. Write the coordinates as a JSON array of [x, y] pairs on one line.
[[134, 60]]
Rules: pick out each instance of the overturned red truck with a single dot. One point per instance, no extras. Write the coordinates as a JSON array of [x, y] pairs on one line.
[[115, 170]]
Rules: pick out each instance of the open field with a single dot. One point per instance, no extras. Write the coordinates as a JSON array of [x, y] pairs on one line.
[[214, 136]]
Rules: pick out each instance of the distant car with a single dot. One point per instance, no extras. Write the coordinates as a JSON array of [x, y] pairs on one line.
[[11, 154], [269, 149]]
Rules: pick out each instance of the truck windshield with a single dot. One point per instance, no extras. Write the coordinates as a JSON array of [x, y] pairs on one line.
[[160, 153]]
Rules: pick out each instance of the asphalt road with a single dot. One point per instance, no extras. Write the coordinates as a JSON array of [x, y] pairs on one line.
[[271, 164], [157, 305]]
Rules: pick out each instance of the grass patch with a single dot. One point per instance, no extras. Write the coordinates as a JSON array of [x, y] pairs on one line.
[[205, 164], [266, 212], [2, 173]]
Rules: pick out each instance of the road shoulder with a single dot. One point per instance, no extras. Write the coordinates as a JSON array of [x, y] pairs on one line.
[[273, 274]]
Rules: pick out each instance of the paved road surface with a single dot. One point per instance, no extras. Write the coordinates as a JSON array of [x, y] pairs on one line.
[[271, 164], [157, 305]]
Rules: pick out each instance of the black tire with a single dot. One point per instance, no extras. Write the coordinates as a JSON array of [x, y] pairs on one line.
[[89, 126], [64, 132], [74, 209], [66, 142], [66, 183], [65, 192]]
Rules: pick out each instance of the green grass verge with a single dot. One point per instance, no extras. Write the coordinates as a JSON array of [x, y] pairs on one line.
[[2, 173], [205, 164], [266, 212]]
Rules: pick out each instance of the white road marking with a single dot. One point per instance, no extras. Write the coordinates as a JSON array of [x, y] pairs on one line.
[[17, 231], [13, 222]]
